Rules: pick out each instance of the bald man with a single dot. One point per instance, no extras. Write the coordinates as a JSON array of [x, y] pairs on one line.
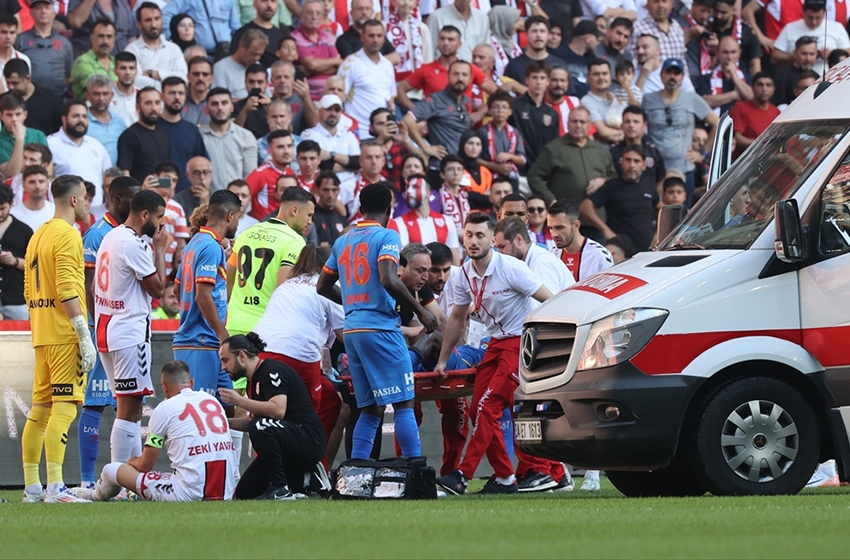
[[199, 173], [727, 83]]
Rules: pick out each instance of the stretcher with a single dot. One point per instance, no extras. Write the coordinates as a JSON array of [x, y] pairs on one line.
[[430, 386]]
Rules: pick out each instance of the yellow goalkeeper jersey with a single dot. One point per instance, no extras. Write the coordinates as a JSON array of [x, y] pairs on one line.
[[53, 274]]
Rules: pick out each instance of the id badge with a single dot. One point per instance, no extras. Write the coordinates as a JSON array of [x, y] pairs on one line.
[[475, 333]]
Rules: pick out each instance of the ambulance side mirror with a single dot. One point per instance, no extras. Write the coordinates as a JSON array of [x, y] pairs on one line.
[[669, 219], [789, 232]]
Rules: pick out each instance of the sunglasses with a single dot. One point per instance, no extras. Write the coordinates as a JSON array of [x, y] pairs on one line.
[[669, 116], [536, 209]]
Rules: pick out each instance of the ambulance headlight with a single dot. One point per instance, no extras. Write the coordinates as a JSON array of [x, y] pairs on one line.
[[617, 338]]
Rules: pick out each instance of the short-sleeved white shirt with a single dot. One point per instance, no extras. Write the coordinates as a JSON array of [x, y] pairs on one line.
[[369, 85], [507, 285], [89, 160], [199, 446], [122, 306], [550, 269], [297, 320], [343, 142]]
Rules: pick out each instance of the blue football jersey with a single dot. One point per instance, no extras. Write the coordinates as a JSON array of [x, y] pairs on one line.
[[355, 259], [202, 261], [91, 243]]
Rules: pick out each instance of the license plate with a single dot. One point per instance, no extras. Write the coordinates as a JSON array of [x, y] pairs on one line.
[[528, 430]]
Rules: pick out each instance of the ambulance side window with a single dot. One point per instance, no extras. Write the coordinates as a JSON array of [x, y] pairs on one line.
[[835, 211]]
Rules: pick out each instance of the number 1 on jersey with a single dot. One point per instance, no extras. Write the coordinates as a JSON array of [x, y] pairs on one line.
[[359, 266]]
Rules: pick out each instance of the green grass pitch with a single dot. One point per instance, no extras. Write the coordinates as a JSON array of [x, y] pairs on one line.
[[603, 524]]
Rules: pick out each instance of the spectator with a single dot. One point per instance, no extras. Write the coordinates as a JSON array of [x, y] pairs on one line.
[[143, 146], [215, 22], [340, 149], [35, 209], [76, 153], [287, 50], [446, 115], [434, 77], [307, 156], [615, 47], [83, 16], [566, 14], [174, 218], [200, 81], [371, 171], [505, 148], [557, 98], [8, 36], [537, 32], [753, 116], [395, 140], [232, 147], [473, 23], [578, 53], [695, 23], [200, 174], [700, 155], [15, 134], [621, 247], [263, 180], [634, 132], [182, 28], [247, 12], [726, 24], [327, 222], [727, 83], [605, 109], [476, 177], [608, 10], [44, 108], [836, 56], [230, 71], [14, 238], [484, 58], [169, 304], [316, 49], [537, 228], [278, 117], [536, 121], [624, 89], [503, 23], [104, 125], [409, 37], [97, 60], [422, 224], [51, 54], [369, 76], [671, 113], [668, 32], [674, 191], [573, 165], [34, 154], [296, 93], [241, 189], [351, 41], [786, 77], [454, 202], [556, 36], [631, 202], [813, 24], [124, 91], [264, 22], [499, 191], [185, 139], [251, 111], [156, 57], [648, 52]]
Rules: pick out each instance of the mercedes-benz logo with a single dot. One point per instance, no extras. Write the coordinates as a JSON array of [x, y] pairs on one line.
[[529, 347]]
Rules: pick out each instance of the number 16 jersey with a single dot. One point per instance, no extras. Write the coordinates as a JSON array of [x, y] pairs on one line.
[[258, 255], [355, 258]]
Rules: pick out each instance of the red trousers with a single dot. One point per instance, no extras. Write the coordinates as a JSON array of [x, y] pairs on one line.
[[455, 430], [529, 463], [495, 382]]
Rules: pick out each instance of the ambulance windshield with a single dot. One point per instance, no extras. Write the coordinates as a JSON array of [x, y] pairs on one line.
[[740, 205]]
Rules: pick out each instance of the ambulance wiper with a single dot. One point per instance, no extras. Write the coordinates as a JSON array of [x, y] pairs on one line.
[[688, 247]]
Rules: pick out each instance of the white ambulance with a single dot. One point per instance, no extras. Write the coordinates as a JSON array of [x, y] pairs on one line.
[[721, 361]]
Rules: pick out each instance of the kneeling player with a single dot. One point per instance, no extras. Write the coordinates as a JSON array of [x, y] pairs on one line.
[[193, 428]]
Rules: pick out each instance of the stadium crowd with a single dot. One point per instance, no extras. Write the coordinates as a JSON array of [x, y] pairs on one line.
[[243, 137]]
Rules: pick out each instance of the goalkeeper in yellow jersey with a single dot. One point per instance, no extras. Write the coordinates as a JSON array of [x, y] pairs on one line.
[[55, 293]]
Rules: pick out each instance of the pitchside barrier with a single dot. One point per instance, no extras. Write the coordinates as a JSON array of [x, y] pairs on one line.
[[16, 374]]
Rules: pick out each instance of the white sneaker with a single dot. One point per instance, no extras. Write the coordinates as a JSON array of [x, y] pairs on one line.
[[824, 476], [65, 496], [32, 498], [591, 484], [84, 492], [441, 494]]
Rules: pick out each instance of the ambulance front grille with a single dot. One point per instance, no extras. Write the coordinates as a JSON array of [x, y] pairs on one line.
[[545, 349]]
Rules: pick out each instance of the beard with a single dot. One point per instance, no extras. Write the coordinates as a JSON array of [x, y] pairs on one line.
[[77, 131], [149, 229], [149, 119], [231, 231], [219, 122], [172, 110], [482, 253], [239, 371]]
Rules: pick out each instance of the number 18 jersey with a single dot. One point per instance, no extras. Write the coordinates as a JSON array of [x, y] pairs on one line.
[[258, 255], [355, 258]]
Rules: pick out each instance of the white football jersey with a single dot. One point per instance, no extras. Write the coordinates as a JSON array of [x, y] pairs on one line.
[[550, 269], [592, 258], [122, 307], [194, 430]]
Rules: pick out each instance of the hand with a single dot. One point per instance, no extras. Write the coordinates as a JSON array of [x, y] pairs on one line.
[[19, 131], [7, 258], [503, 168], [694, 32], [301, 89], [161, 239], [403, 132], [229, 396], [694, 157], [88, 353], [504, 157], [201, 192], [766, 44], [624, 82], [594, 185], [151, 183], [650, 66], [251, 104], [712, 42], [264, 101], [608, 233], [441, 369], [228, 249], [427, 319], [438, 152]]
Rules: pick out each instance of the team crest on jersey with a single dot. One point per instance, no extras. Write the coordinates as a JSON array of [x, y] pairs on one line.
[[339, 228], [439, 222], [547, 120], [650, 161]]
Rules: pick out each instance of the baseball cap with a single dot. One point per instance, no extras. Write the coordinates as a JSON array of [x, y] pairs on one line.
[[329, 100], [34, 2], [587, 27], [673, 63]]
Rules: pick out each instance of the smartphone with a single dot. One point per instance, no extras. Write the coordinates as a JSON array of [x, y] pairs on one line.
[[299, 75], [164, 182], [254, 92]]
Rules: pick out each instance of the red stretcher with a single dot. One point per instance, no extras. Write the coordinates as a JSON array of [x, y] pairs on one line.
[[430, 386]]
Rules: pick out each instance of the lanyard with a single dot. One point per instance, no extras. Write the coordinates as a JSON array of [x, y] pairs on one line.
[[478, 295]]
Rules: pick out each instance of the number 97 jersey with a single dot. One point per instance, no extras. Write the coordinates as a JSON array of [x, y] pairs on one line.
[[355, 258]]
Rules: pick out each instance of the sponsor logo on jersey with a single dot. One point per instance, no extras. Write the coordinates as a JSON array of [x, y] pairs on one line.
[[63, 389], [208, 268], [386, 391], [126, 385], [390, 247]]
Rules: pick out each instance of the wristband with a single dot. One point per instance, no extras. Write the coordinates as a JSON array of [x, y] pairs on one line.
[[80, 327]]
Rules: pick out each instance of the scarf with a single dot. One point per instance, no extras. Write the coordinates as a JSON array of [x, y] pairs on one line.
[[410, 53], [455, 208], [513, 138], [716, 79], [704, 54], [502, 21]]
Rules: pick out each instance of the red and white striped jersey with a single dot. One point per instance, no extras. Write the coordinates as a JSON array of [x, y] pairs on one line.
[[413, 228]]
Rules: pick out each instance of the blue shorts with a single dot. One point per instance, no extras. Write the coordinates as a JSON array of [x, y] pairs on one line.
[[416, 361], [205, 367], [98, 392], [380, 367], [465, 357]]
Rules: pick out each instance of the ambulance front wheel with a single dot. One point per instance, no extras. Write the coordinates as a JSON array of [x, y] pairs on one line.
[[756, 435]]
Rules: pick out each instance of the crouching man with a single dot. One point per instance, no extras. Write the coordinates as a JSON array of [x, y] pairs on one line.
[[194, 430], [285, 430]]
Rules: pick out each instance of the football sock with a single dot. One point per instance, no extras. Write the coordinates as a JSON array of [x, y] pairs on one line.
[[137, 440], [88, 434], [55, 442], [32, 444], [591, 474], [407, 432], [506, 480], [107, 485], [122, 440], [363, 437], [236, 436]]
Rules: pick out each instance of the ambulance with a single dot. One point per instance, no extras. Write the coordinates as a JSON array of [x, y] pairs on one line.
[[719, 362]]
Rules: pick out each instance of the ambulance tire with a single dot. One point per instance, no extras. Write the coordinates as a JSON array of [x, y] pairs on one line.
[[675, 480], [755, 421]]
